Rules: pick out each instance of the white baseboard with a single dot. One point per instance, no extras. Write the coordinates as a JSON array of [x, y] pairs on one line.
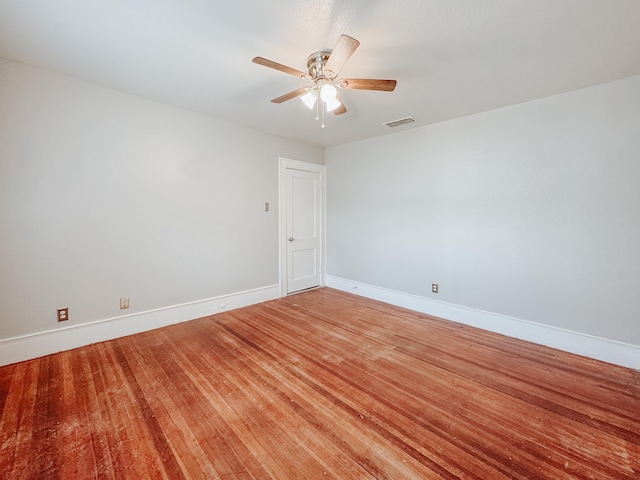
[[36, 345], [611, 351]]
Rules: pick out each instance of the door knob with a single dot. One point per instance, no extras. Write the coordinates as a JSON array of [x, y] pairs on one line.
[[291, 239]]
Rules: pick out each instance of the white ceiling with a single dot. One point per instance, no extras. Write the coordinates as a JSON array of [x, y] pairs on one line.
[[450, 57]]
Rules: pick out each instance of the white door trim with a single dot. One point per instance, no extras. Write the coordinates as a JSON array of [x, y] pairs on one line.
[[283, 165]]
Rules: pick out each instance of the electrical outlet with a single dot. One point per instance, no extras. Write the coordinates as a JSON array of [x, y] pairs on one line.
[[434, 288], [63, 314], [266, 206], [124, 303]]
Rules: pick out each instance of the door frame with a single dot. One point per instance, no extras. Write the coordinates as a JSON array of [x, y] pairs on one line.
[[285, 164]]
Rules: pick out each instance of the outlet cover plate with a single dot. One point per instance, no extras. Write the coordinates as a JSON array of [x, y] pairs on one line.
[[63, 314]]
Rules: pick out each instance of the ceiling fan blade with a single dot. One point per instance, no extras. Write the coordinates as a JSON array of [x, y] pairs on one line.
[[368, 84], [290, 95], [340, 110], [278, 66], [343, 50]]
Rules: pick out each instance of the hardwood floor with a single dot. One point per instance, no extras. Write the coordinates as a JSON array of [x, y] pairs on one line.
[[318, 385]]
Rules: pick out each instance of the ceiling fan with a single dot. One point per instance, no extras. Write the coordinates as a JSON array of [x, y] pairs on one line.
[[324, 67]]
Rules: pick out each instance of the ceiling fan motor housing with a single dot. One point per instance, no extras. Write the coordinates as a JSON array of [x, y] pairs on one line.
[[316, 62]]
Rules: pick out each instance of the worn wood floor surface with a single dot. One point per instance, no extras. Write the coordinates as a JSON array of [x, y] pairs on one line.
[[318, 385]]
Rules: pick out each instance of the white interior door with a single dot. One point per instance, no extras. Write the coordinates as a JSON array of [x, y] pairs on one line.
[[303, 229]]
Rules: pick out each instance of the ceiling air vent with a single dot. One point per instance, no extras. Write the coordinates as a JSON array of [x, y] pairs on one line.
[[402, 121]]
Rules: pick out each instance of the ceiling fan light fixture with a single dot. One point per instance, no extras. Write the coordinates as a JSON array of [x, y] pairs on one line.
[[329, 95], [328, 92], [310, 98], [332, 104]]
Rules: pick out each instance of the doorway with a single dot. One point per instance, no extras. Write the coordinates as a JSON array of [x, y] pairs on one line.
[[301, 225]]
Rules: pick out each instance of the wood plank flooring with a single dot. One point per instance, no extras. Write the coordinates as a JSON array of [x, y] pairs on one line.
[[318, 385]]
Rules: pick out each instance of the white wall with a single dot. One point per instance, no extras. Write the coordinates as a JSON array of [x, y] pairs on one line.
[[105, 195], [531, 212]]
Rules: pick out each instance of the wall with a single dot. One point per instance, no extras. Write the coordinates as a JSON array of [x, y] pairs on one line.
[[105, 195], [530, 212]]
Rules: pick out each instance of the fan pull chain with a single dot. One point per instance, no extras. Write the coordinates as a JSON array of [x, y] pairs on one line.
[[323, 109]]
